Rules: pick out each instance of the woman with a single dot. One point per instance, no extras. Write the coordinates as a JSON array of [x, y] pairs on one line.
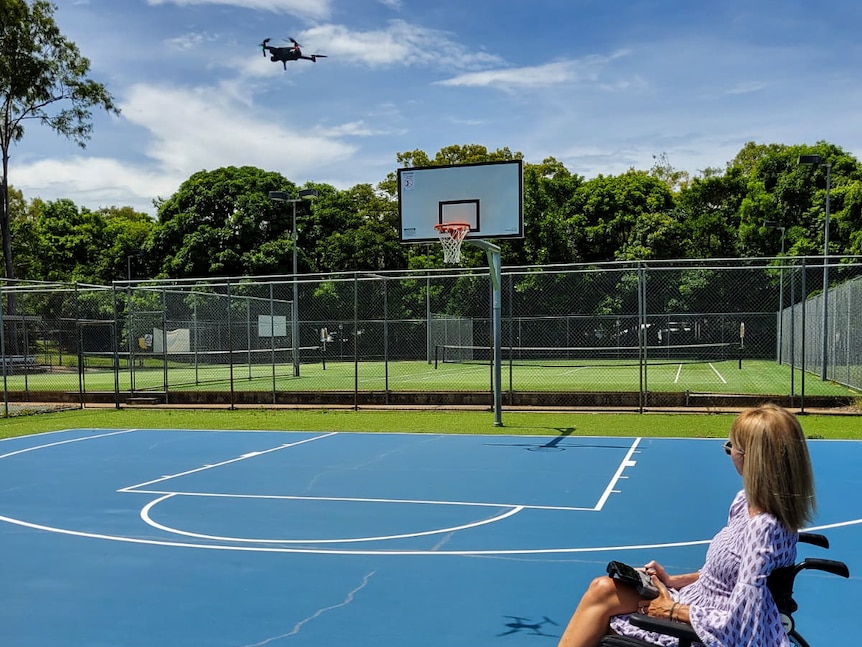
[[726, 602]]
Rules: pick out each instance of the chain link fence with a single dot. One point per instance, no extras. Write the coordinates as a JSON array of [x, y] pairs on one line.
[[617, 335]]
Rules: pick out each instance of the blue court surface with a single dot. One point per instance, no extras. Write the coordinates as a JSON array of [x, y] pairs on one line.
[[243, 539]]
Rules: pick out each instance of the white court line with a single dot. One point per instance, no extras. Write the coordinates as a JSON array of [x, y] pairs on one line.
[[626, 462], [133, 488], [577, 369], [328, 551], [145, 515], [386, 552], [477, 504], [66, 442], [678, 372], [425, 376], [720, 377]]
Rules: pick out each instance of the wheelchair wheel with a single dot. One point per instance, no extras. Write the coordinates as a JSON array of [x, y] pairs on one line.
[[796, 640]]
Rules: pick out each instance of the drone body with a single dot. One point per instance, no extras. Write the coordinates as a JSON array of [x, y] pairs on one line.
[[287, 53]]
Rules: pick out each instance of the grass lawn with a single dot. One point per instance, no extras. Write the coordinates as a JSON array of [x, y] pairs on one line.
[[688, 425], [754, 376]]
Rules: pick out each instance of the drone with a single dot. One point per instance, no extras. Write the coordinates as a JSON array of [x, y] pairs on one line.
[[287, 53], [519, 623]]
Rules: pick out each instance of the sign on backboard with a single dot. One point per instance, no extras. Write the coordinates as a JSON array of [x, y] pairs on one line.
[[489, 196]]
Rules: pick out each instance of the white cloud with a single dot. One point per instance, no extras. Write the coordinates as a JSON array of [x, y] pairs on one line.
[[353, 129], [746, 88], [96, 181], [521, 77], [585, 70], [399, 44], [311, 9], [196, 128], [189, 129], [191, 41]]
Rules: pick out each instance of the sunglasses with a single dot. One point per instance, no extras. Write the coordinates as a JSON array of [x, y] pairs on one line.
[[728, 446]]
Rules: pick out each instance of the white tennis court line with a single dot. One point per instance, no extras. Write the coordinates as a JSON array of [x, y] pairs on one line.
[[243, 457], [66, 442], [407, 553], [425, 376], [145, 516], [509, 509], [347, 499], [678, 373], [626, 462], [720, 376]]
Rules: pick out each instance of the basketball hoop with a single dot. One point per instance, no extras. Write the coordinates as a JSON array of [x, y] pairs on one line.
[[452, 234]]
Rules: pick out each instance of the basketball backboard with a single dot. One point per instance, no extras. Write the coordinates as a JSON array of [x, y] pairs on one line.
[[489, 196]]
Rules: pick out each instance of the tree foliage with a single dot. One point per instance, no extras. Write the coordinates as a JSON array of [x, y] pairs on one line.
[[222, 223], [43, 78]]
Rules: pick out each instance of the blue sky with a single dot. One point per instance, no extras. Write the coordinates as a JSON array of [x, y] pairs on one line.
[[601, 85]]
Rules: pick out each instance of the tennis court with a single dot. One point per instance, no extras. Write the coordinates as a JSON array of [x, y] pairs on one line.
[[240, 538], [729, 375], [621, 335]]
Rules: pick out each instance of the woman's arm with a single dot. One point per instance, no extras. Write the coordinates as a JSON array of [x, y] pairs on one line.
[[665, 606], [670, 581], [679, 581]]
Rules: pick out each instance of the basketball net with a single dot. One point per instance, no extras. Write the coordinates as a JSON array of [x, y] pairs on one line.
[[451, 235]]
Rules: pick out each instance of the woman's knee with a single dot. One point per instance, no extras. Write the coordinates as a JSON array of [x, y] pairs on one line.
[[602, 589]]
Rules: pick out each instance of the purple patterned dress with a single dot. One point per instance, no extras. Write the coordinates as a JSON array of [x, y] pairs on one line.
[[729, 603]]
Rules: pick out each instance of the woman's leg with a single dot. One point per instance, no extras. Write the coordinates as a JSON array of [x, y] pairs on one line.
[[604, 598]]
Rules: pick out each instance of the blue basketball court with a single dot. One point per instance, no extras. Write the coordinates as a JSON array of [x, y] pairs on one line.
[[243, 539]]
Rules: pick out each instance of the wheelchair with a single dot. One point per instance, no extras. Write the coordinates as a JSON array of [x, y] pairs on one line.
[[780, 583]]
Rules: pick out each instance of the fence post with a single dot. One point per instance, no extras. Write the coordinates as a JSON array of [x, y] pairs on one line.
[[355, 341], [79, 347], [230, 343], [3, 357], [802, 336], [642, 321], [116, 347]]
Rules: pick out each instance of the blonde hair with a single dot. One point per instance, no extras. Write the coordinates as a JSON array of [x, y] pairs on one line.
[[776, 471]]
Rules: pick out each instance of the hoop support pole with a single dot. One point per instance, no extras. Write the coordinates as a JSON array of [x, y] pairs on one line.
[[495, 270]]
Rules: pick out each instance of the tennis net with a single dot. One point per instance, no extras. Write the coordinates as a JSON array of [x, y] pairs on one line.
[[584, 356]]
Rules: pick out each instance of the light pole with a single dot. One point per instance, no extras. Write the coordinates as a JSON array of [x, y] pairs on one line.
[[129, 264], [773, 224], [283, 196], [817, 160]]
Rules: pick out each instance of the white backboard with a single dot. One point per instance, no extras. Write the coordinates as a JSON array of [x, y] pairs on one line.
[[489, 196]]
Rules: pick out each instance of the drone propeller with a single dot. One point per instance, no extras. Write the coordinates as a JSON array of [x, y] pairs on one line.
[[263, 45], [294, 42]]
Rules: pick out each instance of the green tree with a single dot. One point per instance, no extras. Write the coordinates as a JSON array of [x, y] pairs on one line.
[[43, 77], [548, 237], [126, 231], [72, 242], [355, 230], [709, 207], [24, 231], [222, 223], [608, 210], [663, 170], [794, 196]]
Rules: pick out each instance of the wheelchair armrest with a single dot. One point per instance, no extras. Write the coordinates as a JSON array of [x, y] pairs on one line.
[[814, 538], [829, 565], [679, 630]]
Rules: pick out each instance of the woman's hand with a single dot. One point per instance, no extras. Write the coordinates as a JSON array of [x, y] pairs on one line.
[[653, 568], [659, 607], [670, 581]]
